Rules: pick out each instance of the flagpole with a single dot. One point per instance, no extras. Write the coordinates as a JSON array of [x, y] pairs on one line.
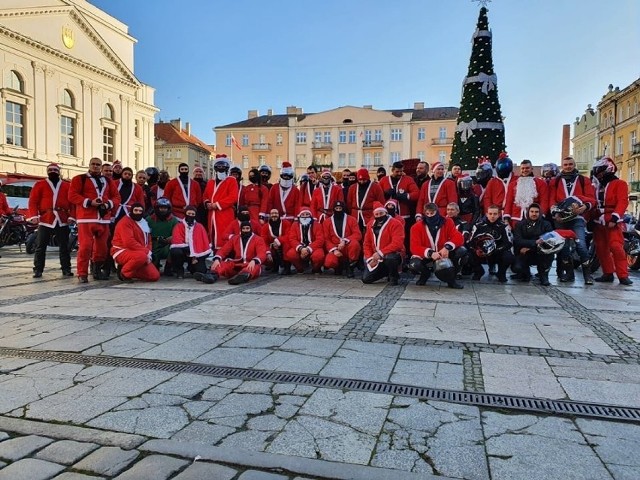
[[232, 145]]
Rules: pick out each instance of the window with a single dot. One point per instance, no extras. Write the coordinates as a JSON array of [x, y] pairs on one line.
[[377, 158], [632, 175], [245, 140], [301, 160], [67, 136], [395, 157], [632, 140], [278, 139], [352, 137], [327, 137], [136, 160], [396, 135], [377, 135], [628, 109], [262, 139], [442, 156], [620, 115], [422, 133], [619, 143], [342, 136], [245, 161], [108, 112], [317, 137], [67, 99], [178, 153], [367, 136], [367, 159], [14, 81], [227, 140], [136, 128], [278, 161], [262, 159], [421, 155], [443, 132], [635, 107], [342, 159], [108, 144], [301, 137], [352, 160], [15, 123]]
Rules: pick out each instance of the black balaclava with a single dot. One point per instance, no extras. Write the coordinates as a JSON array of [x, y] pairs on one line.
[[245, 236], [136, 216], [190, 220], [254, 176], [243, 214], [184, 177]]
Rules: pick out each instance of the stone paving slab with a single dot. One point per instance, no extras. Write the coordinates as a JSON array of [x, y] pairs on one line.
[[107, 461], [30, 469], [66, 452]]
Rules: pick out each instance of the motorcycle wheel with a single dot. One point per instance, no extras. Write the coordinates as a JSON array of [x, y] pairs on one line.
[[30, 243]]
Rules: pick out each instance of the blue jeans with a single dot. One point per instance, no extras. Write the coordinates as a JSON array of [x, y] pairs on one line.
[[578, 226]]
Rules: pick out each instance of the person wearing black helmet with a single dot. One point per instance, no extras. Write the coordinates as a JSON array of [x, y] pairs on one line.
[[161, 223], [265, 176], [491, 226], [152, 175]]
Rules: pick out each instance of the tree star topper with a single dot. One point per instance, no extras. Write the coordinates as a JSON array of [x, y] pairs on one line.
[[482, 3]]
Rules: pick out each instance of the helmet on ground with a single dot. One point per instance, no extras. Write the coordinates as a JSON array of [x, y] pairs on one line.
[[444, 270], [564, 212], [484, 172], [549, 170], [484, 245], [552, 242]]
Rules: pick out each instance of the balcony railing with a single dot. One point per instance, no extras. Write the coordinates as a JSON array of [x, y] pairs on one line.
[[264, 147], [373, 144], [634, 186], [441, 141], [322, 145]]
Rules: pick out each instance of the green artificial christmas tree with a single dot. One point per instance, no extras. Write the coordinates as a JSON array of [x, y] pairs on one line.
[[480, 130]]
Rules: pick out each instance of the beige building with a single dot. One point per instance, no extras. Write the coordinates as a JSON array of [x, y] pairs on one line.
[[345, 137], [585, 140], [68, 89], [175, 145]]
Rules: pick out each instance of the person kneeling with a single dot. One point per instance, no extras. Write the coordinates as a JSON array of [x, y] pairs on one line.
[[131, 247], [526, 239], [305, 243], [435, 239], [190, 244], [383, 247], [239, 259]]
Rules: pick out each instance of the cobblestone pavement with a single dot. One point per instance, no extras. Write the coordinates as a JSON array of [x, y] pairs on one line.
[[75, 417]]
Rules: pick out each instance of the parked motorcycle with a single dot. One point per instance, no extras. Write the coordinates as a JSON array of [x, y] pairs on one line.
[[30, 242], [14, 229]]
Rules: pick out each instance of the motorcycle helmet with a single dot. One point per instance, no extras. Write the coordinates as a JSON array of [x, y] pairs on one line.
[[221, 165], [602, 166], [549, 170], [162, 205], [552, 242], [484, 245], [265, 172], [504, 166], [563, 212], [444, 270], [236, 171], [465, 184], [484, 172]]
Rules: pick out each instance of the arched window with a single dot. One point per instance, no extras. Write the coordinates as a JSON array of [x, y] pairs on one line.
[[67, 99], [108, 112], [14, 82]]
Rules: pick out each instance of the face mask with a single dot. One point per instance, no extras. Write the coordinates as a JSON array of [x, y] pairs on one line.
[[286, 183], [253, 179], [391, 211], [221, 175], [126, 182], [325, 181], [243, 217], [380, 220], [136, 216], [305, 221], [54, 177], [338, 213], [190, 220], [184, 175], [162, 184], [346, 183], [162, 214], [245, 235]]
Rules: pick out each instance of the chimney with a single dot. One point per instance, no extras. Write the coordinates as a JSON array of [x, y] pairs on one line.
[[292, 110], [188, 128], [418, 105], [177, 124], [368, 107], [566, 141], [269, 112], [252, 114]]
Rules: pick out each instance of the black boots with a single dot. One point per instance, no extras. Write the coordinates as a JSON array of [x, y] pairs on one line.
[[544, 278], [605, 278], [240, 278], [568, 273], [586, 273], [97, 270], [424, 276]]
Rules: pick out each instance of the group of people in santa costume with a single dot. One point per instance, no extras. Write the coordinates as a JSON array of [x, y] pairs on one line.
[[447, 225]]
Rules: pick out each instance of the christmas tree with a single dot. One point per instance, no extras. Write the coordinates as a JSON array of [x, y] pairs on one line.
[[480, 130]]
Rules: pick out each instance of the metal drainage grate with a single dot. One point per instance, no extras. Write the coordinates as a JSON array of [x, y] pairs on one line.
[[509, 402]]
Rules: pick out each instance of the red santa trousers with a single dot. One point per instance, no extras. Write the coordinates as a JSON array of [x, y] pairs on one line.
[[92, 244], [230, 269], [134, 265], [351, 252], [316, 257], [610, 250]]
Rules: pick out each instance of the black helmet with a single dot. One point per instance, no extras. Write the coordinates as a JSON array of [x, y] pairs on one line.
[[484, 245], [484, 172], [236, 170], [151, 171], [162, 203], [550, 170], [221, 165], [444, 270], [465, 184], [563, 212], [265, 171]]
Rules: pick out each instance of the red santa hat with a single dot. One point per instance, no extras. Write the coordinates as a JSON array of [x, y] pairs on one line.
[[378, 208], [53, 166], [436, 165], [394, 202], [221, 155], [326, 171], [363, 174], [483, 159], [287, 169], [304, 209]]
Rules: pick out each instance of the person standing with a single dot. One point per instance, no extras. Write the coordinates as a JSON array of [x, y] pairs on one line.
[[182, 191], [523, 192], [325, 197], [255, 196], [438, 190], [285, 196], [50, 209], [220, 199], [362, 197]]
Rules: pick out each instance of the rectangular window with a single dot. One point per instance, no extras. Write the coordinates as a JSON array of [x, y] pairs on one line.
[[377, 158], [317, 137], [352, 160], [367, 160], [262, 159], [396, 134], [327, 137], [178, 153], [108, 144], [352, 136], [632, 140], [367, 136], [278, 139], [442, 156], [136, 128], [342, 159], [421, 155], [301, 160], [342, 136], [67, 136], [301, 137], [227, 140], [377, 135], [245, 140], [395, 157], [278, 161], [15, 127], [619, 144], [136, 160], [422, 133], [245, 161], [443, 132]]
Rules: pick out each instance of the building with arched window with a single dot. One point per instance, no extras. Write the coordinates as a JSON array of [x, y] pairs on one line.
[[68, 89]]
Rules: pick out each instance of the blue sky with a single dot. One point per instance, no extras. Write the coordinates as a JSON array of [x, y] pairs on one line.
[[211, 61]]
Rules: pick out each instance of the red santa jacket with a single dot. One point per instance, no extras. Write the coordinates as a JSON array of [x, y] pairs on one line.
[[136, 196], [195, 237], [362, 211], [49, 204], [269, 236], [445, 194], [518, 199], [322, 201], [287, 202], [156, 193], [233, 229], [84, 189], [406, 185], [306, 193], [131, 235], [496, 192], [255, 197], [4, 205], [582, 188], [423, 244], [316, 236], [616, 201], [234, 251], [350, 232], [389, 240], [180, 197], [223, 196]]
